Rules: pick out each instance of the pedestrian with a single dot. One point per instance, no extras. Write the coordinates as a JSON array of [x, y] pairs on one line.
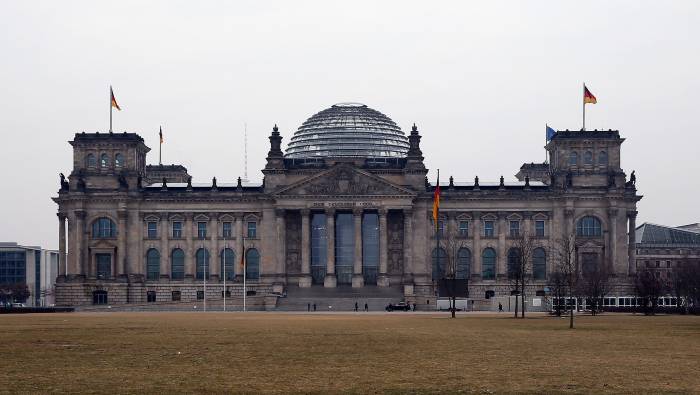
[[314, 306], [500, 307], [356, 307], [308, 307], [366, 307], [414, 306]]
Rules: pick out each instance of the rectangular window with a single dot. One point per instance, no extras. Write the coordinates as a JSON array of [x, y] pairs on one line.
[[514, 228], [464, 228], [201, 230], [104, 265], [177, 230], [226, 230], [200, 295], [151, 296], [488, 228], [152, 229], [539, 228], [176, 296], [252, 230]]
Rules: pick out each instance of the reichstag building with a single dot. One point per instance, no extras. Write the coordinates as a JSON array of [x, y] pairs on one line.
[[346, 206]]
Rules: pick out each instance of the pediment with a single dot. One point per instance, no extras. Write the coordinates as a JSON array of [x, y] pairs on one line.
[[344, 180]]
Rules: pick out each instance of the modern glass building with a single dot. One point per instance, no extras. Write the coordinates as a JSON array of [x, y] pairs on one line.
[[28, 266]]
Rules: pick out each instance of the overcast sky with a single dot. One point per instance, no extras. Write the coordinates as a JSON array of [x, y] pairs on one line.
[[480, 79]]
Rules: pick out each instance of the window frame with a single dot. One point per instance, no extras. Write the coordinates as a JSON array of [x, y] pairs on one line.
[[537, 228], [152, 229], [252, 230], [177, 228], [489, 228], [201, 230]]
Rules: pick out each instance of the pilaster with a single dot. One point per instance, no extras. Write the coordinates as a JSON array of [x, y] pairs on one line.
[[383, 278], [330, 281], [357, 278], [305, 279]]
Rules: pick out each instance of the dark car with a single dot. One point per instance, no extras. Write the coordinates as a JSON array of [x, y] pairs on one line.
[[402, 306]]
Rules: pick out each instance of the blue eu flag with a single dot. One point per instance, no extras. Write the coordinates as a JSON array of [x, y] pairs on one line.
[[550, 132]]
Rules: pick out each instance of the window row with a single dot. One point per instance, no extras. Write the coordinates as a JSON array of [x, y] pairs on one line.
[[588, 158], [202, 264], [226, 229], [104, 160], [463, 261], [488, 228]]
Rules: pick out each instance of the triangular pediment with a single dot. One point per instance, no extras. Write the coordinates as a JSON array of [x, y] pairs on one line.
[[344, 180]]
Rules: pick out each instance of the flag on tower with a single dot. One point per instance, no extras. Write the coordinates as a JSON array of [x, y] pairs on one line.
[[113, 100], [549, 132], [161, 135], [436, 202], [588, 96]]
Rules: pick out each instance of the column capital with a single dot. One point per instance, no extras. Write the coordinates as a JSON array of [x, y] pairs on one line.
[[164, 216], [383, 212], [612, 212], [305, 212], [451, 214], [476, 215], [502, 214], [61, 216], [407, 212], [213, 216], [357, 211], [238, 216], [632, 214], [188, 216], [123, 214], [80, 214], [330, 211], [279, 212], [568, 212], [527, 214]]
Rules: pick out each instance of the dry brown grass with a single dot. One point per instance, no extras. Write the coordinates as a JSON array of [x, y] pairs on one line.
[[349, 353]]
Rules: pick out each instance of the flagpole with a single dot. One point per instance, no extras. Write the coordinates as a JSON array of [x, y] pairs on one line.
[[583, 97], [225, 248], [160, 147], [206, 272], [110, 108], [245, 291], [437, 229]]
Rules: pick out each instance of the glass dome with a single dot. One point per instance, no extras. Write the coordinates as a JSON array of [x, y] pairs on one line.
[[348, 130]]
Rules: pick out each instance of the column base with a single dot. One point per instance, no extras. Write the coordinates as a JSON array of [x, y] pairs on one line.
[[330, 281], [358, 281], [305, 281], [383, 280]]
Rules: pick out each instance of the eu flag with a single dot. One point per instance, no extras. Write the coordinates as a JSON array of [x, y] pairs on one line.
[[550, 132]]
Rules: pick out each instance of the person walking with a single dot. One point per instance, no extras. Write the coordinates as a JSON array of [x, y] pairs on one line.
[[500, 307], [356, 307], [314, 306], [308, 307], [366, 307]]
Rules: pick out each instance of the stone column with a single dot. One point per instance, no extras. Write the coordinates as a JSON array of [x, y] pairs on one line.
[[407, 247], [569, 221], [120, 261], [502, 254], [383, 278], [476, 254], [305, 279], [240, 250], [189, 248], [281, 249], [164, 250], [62, 269], [214, 258], [330, 280], [612, 244], [632, 244], [80, 268], [357, 278]]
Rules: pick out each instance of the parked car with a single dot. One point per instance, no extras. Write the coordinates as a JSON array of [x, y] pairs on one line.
[[18, 305], [402, 306]]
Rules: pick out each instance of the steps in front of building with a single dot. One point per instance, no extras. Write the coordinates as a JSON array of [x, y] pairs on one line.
[[342, 298], [234, 304]]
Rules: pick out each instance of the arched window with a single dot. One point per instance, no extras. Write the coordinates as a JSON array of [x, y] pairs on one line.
[[464, 263], [573, 158], [152, 264], [252, 264], [202, 258], [603, 158], [91, 161], [514, 265], [588, 158], [488, 264], [104, 161], [539, 264], [439, 263], [228, 259], [118, 160], [177, 265], [588, 226], [103, 227]]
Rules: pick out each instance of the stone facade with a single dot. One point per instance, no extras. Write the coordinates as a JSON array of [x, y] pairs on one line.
[[113, 222]]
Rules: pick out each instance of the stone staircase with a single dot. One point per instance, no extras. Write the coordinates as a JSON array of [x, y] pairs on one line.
[[342, 298], [253, 303]]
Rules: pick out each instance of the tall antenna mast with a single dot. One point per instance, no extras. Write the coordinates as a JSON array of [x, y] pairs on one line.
[[245, 151]]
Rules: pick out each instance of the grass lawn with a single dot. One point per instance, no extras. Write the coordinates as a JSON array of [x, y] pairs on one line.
[[348, 353]]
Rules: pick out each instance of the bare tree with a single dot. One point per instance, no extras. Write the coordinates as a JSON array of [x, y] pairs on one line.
[[525, 245], [563, 253], [557, 284], [452, 247], [685, 283], [594, 286], [649, 288]]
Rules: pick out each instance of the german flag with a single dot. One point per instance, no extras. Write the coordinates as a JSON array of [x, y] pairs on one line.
[[588, 96], [436, 203], [113, 100]]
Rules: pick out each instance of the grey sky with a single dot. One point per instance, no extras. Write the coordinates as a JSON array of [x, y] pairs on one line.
[[480, 79]]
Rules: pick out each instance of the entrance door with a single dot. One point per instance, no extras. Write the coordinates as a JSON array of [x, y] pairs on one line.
[[104, 265]]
